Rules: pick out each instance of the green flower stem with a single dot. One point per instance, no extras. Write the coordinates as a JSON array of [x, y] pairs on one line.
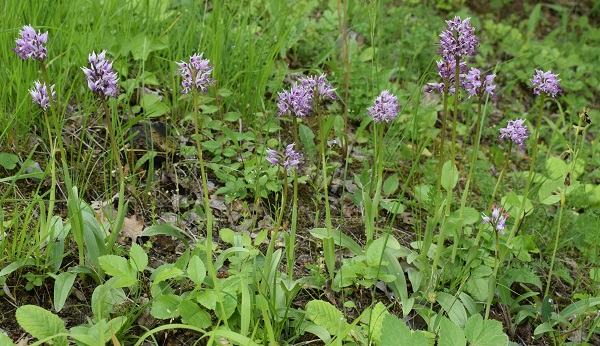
[[66, 175], [328, 242], [444, 223], [275, 232], [501, 176], [463, 200], [210, 266], [290, 246], [563, 193], [521, 212], [116, 227], [52, 198], [496, 187], [432, 222], [372, 206]]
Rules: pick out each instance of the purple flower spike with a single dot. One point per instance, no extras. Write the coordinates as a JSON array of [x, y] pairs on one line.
[[195, 74], [475, 87], [545, 82], [321, 85], [290, 159], [386, 107], [497, 219], [31, 44], [39, 94], [459, 40], [517, 131], [297, 101], [101, 79]]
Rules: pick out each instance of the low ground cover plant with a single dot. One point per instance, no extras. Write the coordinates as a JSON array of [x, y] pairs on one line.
[[220, 185]]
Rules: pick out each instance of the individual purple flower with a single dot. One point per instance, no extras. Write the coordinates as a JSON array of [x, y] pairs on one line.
[[386, 107], [289, 160], [545, 82], [321, 86], [497, 219], [298, 101], [517, 131], [195, 74], [474, 86], [101, 79], [39, 94], [458, 41], [31, 44], [447, 70]]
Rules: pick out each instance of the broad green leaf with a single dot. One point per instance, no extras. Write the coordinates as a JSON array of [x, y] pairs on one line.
[[319, 331], [580, 307], [395, 332], [512, 202], [484, 333], [62, 288], [8, 161], [549, 191], [326, 315], [451, 334], [229, 304], [153, 107], [118, 267], [231, 116], [595, 274], [208, 299], [138, 259], [166, 306], [543, 328], [339, 238], [196, 270], [16, 265], [105, 298], [391, 184], [469, 215], [524, 275], [478, 284], [524, 246], [375, 252], [547, 308], [167, 229], [449, 175], [5, 340], [90, 334], [142, 45], [307, 137], [193, 315], [392, 206], [163, 273], [226, 235], [377, 316], [556, 168], [453, 307], [41, 323]]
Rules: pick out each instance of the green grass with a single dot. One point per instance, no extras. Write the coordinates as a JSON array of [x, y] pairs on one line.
[[392, 241]]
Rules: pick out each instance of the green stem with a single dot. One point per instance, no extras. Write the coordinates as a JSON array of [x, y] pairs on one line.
[[463, 200], [328, 242], [556, 237], [444, 223], [521, 213], [118, 223], [207, 211], [52, 198]]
